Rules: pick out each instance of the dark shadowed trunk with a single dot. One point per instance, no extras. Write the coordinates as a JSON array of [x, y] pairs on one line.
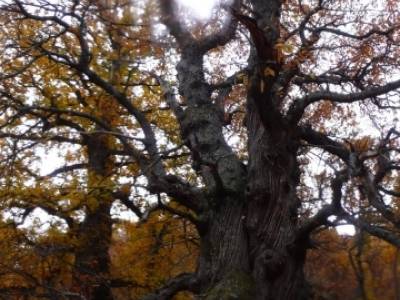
[[92, 260], [249, 248], [248, 243], [276, 257]]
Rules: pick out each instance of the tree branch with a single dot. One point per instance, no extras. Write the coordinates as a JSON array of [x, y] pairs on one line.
[[334, 208], [185, 281], [379, 232], [298, 107], [322, 141]]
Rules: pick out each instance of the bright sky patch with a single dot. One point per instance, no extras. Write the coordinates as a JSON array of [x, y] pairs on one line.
[[200, 8]]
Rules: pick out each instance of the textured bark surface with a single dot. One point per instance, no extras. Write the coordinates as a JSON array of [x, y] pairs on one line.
[[248, 243], [253, 238], [276, 258]]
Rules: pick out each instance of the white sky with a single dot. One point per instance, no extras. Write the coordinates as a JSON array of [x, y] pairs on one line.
[[200, 8]]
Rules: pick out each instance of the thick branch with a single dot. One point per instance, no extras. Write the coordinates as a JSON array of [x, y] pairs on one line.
[[298, 107], [334, 208], [322, 141], [182, 192], [379, 232], [66, 168], [170, 19]]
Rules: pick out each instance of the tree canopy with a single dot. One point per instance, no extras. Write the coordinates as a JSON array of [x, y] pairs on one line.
[[207, 158]]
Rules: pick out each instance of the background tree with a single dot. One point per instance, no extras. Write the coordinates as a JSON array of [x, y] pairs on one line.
[[56, 107], [95, 82]]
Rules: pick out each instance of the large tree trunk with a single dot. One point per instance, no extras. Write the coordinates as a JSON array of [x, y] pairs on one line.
[[276, 256], [250, 249], [224, 264], [92, 262]]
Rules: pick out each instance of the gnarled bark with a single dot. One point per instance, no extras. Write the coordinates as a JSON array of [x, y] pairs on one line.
[[249, 248]]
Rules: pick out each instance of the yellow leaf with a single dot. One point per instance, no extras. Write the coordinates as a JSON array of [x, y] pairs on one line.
[[269, 72], [285, 48]]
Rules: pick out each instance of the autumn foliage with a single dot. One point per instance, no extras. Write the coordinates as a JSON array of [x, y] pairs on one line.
[[147, 154]]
